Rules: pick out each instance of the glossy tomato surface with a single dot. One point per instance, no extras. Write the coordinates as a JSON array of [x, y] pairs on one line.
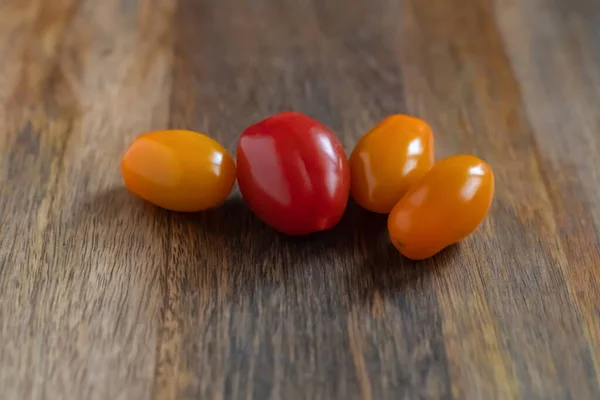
[[443, 207], [387, 159], [178, 170], [293, 173]]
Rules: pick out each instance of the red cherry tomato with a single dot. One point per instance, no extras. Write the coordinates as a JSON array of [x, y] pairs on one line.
[[293, 173]]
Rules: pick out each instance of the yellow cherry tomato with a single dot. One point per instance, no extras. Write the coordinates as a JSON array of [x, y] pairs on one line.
[[179, 170], [387, 159], [445, 206]]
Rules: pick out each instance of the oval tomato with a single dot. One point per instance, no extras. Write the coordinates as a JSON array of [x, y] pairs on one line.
[[178, 170], [293, 173], [446, 205], [387, 159]]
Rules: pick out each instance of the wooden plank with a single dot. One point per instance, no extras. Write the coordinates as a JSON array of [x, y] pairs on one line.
[[28, 160], [554, 49], [268, 322], [472, 93], [81, 259]]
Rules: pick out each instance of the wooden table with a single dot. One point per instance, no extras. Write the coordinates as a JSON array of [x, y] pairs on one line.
[[103, 296]]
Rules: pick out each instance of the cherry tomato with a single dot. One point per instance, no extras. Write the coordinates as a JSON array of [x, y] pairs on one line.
[[293, 173], [178, 170], [446, 205], [387, 159]]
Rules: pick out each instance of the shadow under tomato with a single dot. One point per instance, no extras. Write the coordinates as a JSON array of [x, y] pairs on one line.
[[390, 272], [229, 250]]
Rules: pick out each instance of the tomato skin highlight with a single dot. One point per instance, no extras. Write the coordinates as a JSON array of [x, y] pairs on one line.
[[178, 170], [293, 173], [387, 159], [446, 205]]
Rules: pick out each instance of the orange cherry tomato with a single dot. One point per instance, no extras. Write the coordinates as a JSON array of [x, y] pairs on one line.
[[446, 205], [387, 159], [178, 170]]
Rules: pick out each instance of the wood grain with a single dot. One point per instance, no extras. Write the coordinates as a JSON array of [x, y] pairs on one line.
[[103, 296]]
